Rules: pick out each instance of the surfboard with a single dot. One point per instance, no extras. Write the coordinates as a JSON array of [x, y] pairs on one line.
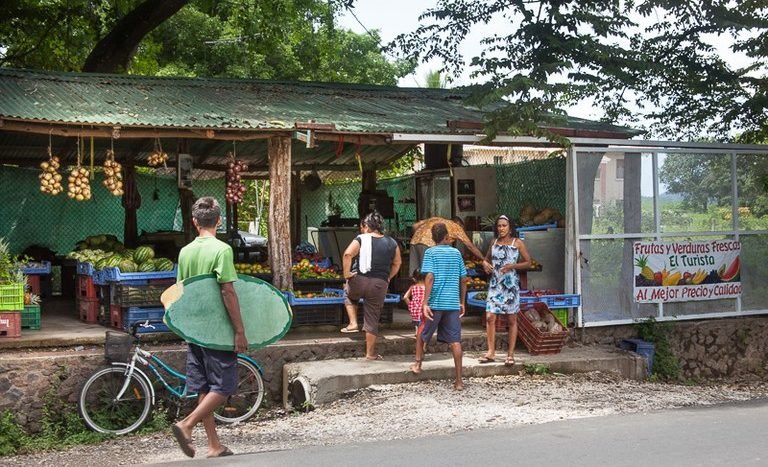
[[195, 311]]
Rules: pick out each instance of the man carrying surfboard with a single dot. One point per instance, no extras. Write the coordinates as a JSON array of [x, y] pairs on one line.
[[211, 373]]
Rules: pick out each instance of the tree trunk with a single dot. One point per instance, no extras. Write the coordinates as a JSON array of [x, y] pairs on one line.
[[113, 53], [279, 153]]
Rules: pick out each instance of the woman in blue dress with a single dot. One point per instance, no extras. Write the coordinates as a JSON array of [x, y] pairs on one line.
[[507, 255]]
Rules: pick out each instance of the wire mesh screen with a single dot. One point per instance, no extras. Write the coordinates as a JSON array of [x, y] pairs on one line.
[[58, 222], [538, 183]]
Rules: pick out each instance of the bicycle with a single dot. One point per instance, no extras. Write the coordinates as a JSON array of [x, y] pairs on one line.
[[118, 399]]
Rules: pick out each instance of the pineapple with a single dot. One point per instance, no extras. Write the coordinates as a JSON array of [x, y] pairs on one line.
[[645, 271]]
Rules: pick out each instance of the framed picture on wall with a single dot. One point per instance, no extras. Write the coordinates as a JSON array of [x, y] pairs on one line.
[[466, 187], [466, 203]]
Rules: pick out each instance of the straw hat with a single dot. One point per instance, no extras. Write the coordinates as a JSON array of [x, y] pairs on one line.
[[423, 233]]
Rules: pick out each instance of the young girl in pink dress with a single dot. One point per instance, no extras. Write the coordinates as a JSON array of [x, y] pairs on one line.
[[414, 298]]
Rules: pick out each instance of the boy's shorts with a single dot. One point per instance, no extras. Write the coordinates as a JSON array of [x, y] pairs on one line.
[[210, 370], [446, 323]]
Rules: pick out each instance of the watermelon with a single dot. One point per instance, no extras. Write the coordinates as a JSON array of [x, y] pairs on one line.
[[101, 264], [127, 253], [147, 266], [114, 261], [143, 253], [163, 264], [127, 265]]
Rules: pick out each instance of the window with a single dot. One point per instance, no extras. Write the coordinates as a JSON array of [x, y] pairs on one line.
[[619, 169]]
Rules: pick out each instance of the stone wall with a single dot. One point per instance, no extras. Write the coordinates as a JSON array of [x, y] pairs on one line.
[[716, 348], [28, 379]]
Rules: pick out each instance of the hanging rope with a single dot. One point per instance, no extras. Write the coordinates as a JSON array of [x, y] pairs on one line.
[[358, 156], [340, 146], [448, 159]]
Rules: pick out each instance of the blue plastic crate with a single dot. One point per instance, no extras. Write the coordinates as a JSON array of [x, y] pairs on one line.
[[139, 314], [555, 301], [392, 298], [537, 227], [473, 301], [37, 267], [337, 300], [642, 348], [85, 269], [115, 275]]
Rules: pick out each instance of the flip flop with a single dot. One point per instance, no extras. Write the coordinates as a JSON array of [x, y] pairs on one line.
[[348, 330], [224, 453], [184, 443], [510, 361], [377, 357], [485, 359]]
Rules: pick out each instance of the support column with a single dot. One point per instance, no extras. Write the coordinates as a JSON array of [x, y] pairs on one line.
[[279, 153]]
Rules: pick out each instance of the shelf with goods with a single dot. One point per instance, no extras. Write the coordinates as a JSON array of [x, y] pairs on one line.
[[38, 277]]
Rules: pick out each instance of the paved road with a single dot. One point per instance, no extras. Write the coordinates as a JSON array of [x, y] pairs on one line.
[[726, 435]]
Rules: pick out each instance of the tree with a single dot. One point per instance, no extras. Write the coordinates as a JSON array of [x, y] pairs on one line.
[[270, 39], [650, 58]]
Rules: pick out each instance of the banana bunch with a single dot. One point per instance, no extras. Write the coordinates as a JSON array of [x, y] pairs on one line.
[[671, 278], [79, 186], [50, 178], [699, 277], [113, 174]]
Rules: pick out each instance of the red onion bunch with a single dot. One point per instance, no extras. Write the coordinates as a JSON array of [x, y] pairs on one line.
[[235, 188]]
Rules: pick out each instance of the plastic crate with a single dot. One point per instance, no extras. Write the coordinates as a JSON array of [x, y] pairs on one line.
[[134, 314], [12, 296], [472, 299], [521, 230], [88, 309], [33, 283], [115, 275], [537, 341], [641, 347], [317, 315], [337, 300], [561, 315], [86, 287], [387, 313], [126, 295], [554, 301], [30, 317], [10, 324], [37, 267], [85, 269]]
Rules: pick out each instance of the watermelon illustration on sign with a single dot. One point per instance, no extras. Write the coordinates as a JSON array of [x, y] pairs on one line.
[[731, 273]]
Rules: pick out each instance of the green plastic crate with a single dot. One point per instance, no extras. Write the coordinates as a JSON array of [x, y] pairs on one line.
[[12, 297], [561, 315], [30, 317]]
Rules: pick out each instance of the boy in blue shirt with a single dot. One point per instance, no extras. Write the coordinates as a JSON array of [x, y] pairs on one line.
[[444, 294]]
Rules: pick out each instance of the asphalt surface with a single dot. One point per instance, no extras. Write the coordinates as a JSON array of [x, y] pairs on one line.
[[725, 435]]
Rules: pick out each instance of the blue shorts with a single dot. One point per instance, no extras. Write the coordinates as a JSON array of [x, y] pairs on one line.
[[210, 370], [446, 323]]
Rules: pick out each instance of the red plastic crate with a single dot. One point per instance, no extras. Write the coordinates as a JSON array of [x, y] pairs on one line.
[[33, 281], [86, 288], [88, 309], [10, 324], [116, 317], [537, 341]]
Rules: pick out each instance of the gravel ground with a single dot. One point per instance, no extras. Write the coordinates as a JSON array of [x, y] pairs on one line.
[[392, 411]]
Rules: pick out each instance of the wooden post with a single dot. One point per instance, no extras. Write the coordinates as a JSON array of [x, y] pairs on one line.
[[296, 208], [279, 154]]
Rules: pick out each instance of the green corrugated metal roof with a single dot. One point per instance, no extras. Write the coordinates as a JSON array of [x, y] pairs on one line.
[[126, 100], [236, 104]]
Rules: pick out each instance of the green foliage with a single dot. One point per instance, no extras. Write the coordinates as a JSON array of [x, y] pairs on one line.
[[272, 39], [653, 59], [666, 367], [537, 368], [12, 437]]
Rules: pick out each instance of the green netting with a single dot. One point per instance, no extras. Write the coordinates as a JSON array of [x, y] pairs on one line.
[[58, 222], [538, 183]]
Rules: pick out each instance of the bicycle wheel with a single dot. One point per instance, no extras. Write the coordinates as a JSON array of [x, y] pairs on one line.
[[250, 393], [103, 412]]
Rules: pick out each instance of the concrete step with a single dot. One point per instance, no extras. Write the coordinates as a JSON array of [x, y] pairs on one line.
[[313, 383]]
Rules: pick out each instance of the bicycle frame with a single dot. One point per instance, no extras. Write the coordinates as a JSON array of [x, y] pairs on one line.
[[154, 362]]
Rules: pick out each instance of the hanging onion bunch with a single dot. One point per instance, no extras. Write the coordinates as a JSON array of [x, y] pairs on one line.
[[113, 174], [235, 188], [50, 178], [157, 157], [79, 184]]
